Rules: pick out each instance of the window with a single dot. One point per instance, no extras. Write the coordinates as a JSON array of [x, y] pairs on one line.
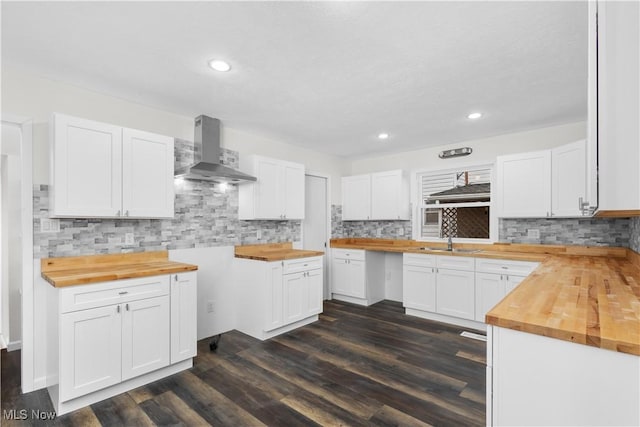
[[455, 203]]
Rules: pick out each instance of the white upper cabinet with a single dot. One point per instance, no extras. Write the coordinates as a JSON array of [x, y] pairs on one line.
[[376, 196], [147, 188], [568, 179], [390, 195], [524, 184], [356, 197], [100, 170], [615, 104], [548, 183], [86, 168], [278, 192]]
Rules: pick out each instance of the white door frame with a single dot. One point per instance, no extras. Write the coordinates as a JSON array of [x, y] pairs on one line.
[[328, 242], [26, 158]]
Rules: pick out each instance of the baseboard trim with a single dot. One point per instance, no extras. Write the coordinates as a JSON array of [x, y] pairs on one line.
[[465, 323]]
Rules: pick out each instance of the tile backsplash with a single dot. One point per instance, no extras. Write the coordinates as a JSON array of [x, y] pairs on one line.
[[634, 241], [205, 216], [380, 229], [567, 231]]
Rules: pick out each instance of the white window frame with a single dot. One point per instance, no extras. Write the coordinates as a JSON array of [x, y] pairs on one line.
[[418, 205]]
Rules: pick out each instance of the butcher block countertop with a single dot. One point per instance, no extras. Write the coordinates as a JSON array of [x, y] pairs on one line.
[[273, 252], [82, 270], [586, 295]]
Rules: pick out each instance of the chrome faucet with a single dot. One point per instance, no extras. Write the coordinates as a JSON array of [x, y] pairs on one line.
[[450, 244]]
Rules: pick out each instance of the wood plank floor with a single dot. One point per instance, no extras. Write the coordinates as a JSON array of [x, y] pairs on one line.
[[355, 366]]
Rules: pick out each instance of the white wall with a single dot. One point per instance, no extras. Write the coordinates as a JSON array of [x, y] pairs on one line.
[[35, 97], [484, 150]]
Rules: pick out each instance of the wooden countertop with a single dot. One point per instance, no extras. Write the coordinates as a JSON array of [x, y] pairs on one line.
[[273, 252], [82, 270], [586, 295]]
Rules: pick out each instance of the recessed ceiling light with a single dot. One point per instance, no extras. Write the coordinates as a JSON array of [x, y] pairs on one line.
[[219, 65], [474, 116], [383, 136]]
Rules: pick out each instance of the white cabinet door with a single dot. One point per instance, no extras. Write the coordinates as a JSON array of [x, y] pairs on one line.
[[356, 197], [315, 285], [86, 175], [524, 184], [90, 350], [490, 289], [145, 336], [274, 306], [294, 191], [184, 316], [511, 282], [568, 179], [389, 196], [269, 193], [455, 293], [340, 281], [357, 278], [295, 296], [147, 174], [419, 288], [618, 107]]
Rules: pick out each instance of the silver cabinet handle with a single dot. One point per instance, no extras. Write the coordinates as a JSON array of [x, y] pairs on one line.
[[123, 293], [507, 277], [127, 307], [118, 213], [176, 277], [504, 267], [118, 309], [126, 213]]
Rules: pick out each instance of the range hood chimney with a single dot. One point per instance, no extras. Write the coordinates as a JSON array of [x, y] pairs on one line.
[[207, 166]]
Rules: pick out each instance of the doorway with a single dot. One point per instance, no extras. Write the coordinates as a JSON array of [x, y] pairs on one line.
[[16, 237], [315, 227]]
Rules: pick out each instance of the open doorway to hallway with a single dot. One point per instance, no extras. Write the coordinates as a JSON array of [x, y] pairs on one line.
[[315, 227]]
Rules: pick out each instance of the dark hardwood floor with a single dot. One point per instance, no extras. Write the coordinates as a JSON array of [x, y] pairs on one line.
[[355, 366]]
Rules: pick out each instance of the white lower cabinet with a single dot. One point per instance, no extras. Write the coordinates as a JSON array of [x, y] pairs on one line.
[[184, 316], [113, 332], [419, 287], [90, 351], [357, 276], [447, 288], [495, 278], [448, 291], [276, 297], [455, 293]]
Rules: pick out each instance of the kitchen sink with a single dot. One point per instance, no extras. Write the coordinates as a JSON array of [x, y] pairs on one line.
[[456, 250]]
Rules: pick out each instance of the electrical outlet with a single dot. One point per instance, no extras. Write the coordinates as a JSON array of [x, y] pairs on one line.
[[533, 233], [49, 225], [128, 239], [210, 306]]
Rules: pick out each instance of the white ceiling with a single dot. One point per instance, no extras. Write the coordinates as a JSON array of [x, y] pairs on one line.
[[325, 75]]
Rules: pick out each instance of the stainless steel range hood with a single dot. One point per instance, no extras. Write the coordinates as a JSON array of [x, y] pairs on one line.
[[207, 166]]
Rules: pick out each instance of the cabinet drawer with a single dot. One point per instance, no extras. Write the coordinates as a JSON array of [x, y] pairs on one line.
[[501, 266], [420, 260], [82, 297], [348, 253], [456, 263], [302, 264]]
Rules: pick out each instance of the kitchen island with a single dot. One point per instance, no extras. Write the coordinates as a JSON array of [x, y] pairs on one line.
[[278, 288]]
